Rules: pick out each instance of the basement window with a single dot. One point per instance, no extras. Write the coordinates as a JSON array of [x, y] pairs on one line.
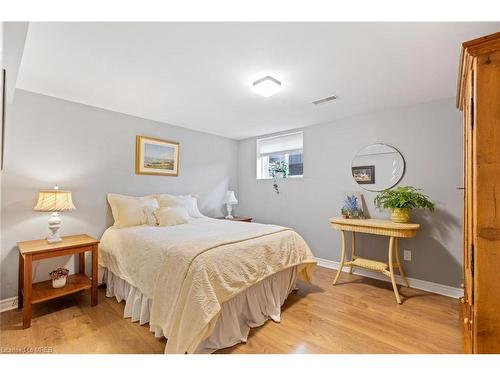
[[285, 148]]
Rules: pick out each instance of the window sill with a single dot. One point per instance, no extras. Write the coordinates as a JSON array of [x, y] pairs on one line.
[[280, 178]]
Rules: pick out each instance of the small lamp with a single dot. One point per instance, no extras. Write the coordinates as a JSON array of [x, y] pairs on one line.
[[229, 200], [54, 201]]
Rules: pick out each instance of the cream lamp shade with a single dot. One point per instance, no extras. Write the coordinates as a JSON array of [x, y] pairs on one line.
[[54, 200], [229, 200]]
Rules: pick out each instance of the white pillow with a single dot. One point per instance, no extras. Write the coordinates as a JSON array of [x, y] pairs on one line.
[[174, 215], [128, 211], [189, 202], [166, 200]]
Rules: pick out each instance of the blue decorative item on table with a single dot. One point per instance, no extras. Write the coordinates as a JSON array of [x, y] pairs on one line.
[[353, 206]]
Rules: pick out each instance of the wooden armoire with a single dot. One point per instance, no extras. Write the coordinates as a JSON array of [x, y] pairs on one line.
[[479, 99]]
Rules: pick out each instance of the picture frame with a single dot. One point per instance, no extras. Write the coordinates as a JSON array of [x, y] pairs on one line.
[[364, 174], [352, 205], [154, 156]]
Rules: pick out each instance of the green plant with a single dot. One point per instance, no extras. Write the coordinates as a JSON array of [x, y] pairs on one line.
[[405, 197], [278, 167], [58, 273]]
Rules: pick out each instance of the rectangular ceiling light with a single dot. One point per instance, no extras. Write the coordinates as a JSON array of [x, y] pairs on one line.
[[267, 86]]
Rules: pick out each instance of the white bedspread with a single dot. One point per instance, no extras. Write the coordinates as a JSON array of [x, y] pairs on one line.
[[189, 270]]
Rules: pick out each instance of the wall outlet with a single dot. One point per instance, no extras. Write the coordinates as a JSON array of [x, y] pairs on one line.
[[407, 255]]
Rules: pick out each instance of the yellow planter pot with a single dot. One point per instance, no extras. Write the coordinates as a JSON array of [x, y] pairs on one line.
[[400, 215]]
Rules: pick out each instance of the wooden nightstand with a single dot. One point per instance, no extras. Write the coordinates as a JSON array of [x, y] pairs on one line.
[[238, 218], [29, 293]]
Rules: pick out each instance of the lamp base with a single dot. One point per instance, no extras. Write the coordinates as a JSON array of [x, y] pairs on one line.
[[54, 225], [54, 240], [229, 208]]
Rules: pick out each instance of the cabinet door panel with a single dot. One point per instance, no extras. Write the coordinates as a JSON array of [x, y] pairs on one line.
[[469, 120], [487, 198]]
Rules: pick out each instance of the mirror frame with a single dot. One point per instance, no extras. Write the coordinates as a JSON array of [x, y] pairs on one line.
[[384, 144]]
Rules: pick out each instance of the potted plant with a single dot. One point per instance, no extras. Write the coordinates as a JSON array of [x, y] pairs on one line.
[[401, 200], [59, 277], [278, 169]]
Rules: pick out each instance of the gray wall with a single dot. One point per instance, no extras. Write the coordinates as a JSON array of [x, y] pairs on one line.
[[430, 138], [92, 152]]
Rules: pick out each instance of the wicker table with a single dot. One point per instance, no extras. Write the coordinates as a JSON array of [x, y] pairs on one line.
[[378, 227]]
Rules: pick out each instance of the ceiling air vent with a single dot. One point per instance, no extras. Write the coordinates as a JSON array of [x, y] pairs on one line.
[[324, 100]]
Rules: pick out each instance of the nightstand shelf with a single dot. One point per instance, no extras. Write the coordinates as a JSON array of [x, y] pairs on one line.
[[43, 291]]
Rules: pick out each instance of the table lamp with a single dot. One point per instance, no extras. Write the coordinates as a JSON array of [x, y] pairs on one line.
[[229, 200], [54, 201]]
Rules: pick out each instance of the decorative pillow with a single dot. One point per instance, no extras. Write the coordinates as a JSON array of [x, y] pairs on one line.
[[189, 202], [150, 213], [174, 215], [129, 211]]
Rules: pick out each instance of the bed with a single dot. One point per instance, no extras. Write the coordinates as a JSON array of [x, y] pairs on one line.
[[205, 283]]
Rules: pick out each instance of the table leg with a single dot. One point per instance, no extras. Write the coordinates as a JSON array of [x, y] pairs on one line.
[[93, 296], [353, 250], [342, 257], [81, 262], [27, 291], [391, 270], [20, 281], [401, 272]]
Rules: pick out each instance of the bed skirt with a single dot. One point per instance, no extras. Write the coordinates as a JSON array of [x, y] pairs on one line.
[[251, 308]]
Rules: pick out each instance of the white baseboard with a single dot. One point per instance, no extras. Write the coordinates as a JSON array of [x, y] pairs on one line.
[[428, 286], [8, 304]]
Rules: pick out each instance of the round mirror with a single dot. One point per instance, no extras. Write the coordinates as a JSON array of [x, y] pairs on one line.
[[378, 167]]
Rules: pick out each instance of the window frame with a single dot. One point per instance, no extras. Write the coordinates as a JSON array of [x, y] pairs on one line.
[[261, 166]]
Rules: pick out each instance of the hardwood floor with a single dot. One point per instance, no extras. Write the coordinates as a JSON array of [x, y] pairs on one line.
[[359, 315]]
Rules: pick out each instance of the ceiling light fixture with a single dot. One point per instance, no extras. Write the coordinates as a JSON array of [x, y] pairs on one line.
[[267, 86]]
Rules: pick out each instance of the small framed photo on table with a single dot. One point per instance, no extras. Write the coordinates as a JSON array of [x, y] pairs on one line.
[[353, 207], [156, 156]]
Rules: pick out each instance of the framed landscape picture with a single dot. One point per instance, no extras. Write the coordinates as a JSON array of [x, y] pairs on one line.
[[156, 156], [364, 174]]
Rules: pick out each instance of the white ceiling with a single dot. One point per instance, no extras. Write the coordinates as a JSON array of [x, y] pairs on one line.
[[198, 75]]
